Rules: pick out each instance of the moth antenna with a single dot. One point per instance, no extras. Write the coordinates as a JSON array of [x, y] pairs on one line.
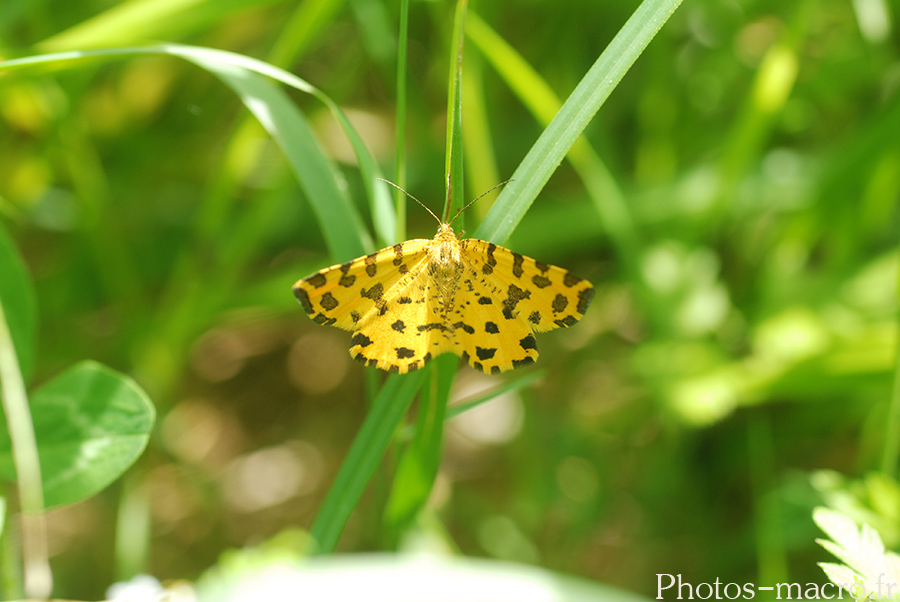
[[470, 203], [415, 199]]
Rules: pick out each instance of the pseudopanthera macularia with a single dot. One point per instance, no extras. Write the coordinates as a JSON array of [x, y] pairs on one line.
[[415, 300]]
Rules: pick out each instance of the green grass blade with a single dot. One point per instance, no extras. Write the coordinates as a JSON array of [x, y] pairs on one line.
[[418, 465], [25, 457], [543, 103], [584, 102], [365, 453], [133, 20], [453, 164], [17, 296], [400, 119], [507, 387], [481, 162], [341, 225], [891, 449], [343, 229], [308, 21]]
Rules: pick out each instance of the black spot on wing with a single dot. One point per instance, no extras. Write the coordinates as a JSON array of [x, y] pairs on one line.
[[528, 343], [571, 279], [465, 327], [374, 293], [540, 281], [398, 254], [432, 326], [491, 328], [399, 326], [584, 299], [317, 280], [404, 300], [560, 302], [347, 280], [354, 315], [361, 340], [484, 300], [514, 295], [403, 269], [518, 260], [394, 369], [566, 322], [328, 301], [490, 262], [541, 266], [303, 298], [525, 361], [404, 353], [485, 353], [323, 320], [535, 317], [371, 268]]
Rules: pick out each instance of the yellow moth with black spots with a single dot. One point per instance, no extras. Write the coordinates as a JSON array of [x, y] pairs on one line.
[[418, 299]]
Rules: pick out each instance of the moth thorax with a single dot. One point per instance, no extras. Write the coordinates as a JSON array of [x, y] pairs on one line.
[[444, 251]]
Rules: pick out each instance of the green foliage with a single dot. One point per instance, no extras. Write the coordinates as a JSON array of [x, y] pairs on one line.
[[17, 301], [734, 197], [363, 458], [91, 424]]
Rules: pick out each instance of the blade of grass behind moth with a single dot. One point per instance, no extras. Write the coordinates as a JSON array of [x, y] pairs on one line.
[[453, 165], [305, 24], [480, 161], [377, 192], [17, 296], [400, 120], [507, 387], [320, 176], [145, 20], [577, 111], [363, 458], [543, 104], [419, 461], [341, 224], [891, 446], [37, 575]]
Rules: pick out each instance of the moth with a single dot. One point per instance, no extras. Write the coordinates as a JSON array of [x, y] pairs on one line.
[[415, 300]]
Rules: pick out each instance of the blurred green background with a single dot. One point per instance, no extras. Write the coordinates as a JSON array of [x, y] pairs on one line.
[[735, 370]]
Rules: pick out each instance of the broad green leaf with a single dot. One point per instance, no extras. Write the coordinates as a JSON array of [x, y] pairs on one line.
[[17, 299], [91, 424]]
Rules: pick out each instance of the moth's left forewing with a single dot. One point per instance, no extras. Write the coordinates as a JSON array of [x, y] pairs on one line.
[[350, 294]]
